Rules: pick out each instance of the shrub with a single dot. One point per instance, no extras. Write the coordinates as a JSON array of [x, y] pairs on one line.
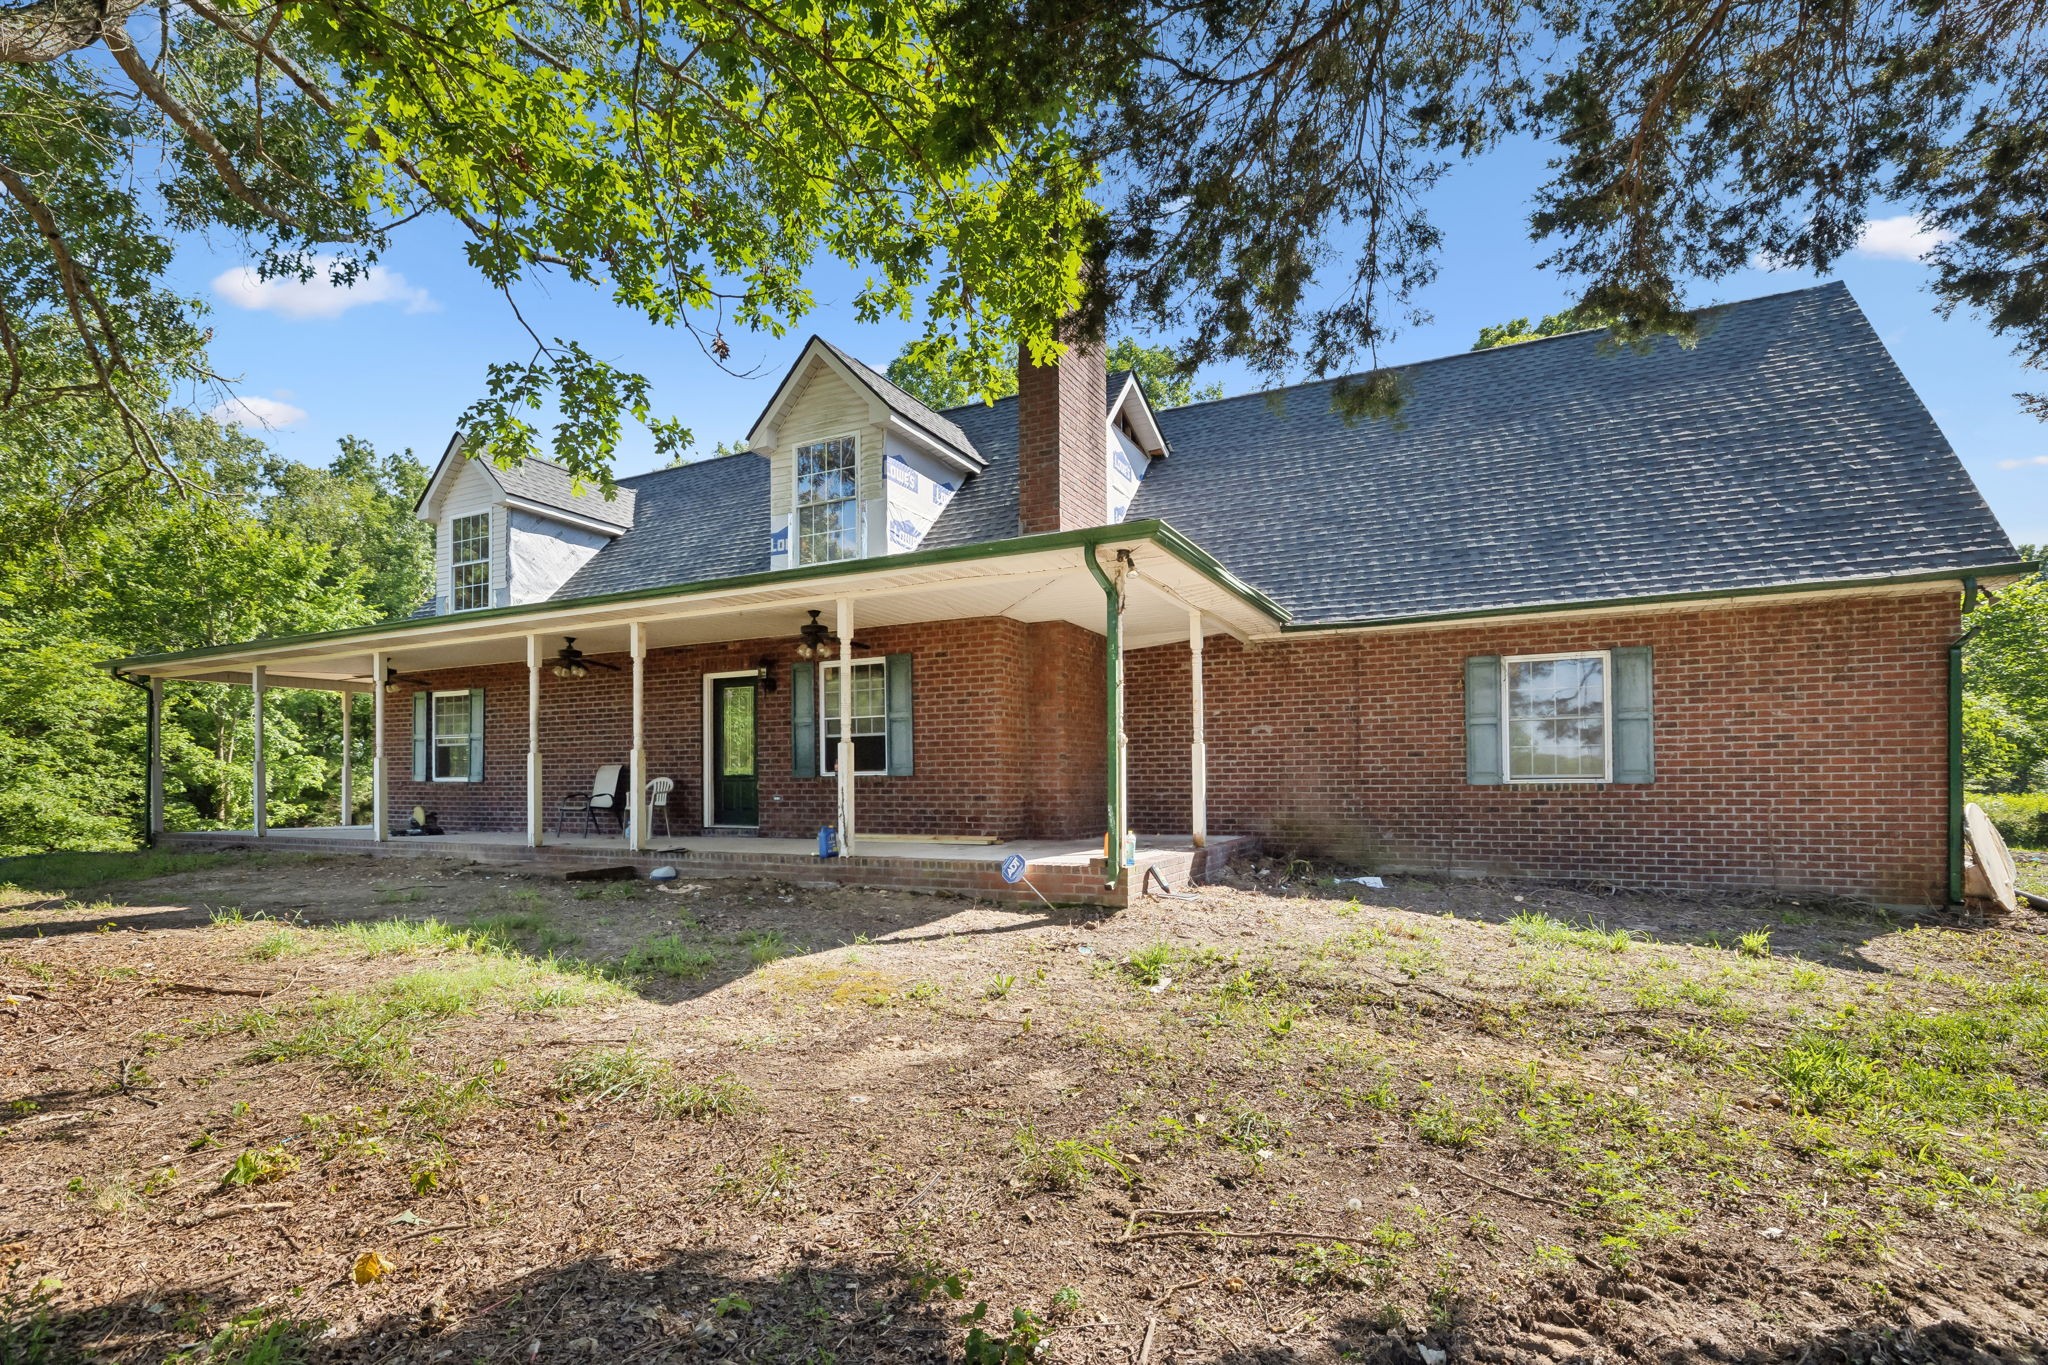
[[2021, 817]]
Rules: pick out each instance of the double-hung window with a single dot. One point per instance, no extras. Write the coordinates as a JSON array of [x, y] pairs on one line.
[[469, 561], [452, 736], [826, 527], [1556, 718], [870, 717]]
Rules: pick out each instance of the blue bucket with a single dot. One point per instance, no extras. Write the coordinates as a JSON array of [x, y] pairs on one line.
[[827, 842]]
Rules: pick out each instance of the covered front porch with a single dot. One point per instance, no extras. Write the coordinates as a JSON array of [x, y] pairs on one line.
[[1007, 736]]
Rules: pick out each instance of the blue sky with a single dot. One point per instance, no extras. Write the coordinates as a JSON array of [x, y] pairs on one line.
[[397, 359]]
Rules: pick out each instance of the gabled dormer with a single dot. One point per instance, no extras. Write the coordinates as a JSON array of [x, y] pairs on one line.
[[857, 467], [504, 537]]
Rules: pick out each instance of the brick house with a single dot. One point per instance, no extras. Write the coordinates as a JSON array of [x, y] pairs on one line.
[[1675, 618]]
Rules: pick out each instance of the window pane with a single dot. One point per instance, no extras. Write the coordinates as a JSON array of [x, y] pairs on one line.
[[738, 738], [469, 560], [870, 717], [825, 500], [1557, 718]]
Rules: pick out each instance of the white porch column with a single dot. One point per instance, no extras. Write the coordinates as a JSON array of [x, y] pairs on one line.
[[380, 824], [259, 780], [155, 798], [636, 800], [1198, 751], [536, 814], [846, 727], [348, 758]]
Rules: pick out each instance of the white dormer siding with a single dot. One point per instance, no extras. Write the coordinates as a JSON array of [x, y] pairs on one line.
[[468, 491], [916, 488], [821, 405], [542, 554], [1127, 466]]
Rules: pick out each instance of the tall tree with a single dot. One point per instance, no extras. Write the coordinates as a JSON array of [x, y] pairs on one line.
[[692, 159], [941, 376]]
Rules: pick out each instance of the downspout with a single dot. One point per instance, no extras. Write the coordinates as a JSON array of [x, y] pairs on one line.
[[1113, 655], [1955, 748], [151, 741]]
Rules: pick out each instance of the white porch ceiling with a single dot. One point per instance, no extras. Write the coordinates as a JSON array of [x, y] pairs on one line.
[[1041, 585]]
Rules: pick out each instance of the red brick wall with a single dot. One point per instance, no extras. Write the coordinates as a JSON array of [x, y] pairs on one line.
[[992, 749], [1798, 746], [1062, 441]]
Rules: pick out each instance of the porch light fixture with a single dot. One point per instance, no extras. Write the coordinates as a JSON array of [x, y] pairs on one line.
[[764, 674], [815, 640]]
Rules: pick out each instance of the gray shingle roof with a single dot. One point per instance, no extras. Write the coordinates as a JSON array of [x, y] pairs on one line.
[[550, 485], [910, 409], [1785, 448], [694, 522]]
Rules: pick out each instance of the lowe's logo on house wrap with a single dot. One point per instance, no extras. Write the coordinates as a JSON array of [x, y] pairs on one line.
[[778, 541], [902, 475], [905, 533], [1123, 464], [941, 492]]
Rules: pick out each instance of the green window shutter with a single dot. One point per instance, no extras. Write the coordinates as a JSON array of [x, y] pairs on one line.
[[1633, 732], [803, 720], [476, 734], [422, 736], [899, 715], [1482, 720]]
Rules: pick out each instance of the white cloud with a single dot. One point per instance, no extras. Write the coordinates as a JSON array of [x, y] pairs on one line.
[[1901, 238], [252, 412], [319, 297], [2022, 464]]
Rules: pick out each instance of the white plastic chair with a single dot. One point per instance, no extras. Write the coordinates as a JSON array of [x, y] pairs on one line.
[[657, 800]]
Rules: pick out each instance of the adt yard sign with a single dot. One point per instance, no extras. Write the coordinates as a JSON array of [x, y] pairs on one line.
[[1013, 868]]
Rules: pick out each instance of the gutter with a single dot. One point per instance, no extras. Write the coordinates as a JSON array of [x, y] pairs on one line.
[[1113, 657], [1955, 748]]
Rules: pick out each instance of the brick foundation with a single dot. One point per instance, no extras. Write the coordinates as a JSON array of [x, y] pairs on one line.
[[1799, 747]]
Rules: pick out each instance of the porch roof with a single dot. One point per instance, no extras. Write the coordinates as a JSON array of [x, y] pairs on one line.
[[1027, 578]]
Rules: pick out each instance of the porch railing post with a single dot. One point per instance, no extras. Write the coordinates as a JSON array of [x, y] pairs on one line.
[[348, 784], [636, 805], [846, 840], [259, 781], [536, 811], [155, 728], [380, 826], [1198, 750]]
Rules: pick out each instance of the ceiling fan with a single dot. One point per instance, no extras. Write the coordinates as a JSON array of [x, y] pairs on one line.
[[816, 640], [392, 679], [571, 662]]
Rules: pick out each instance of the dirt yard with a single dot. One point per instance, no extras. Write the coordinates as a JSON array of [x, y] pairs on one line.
[[330, 1110]]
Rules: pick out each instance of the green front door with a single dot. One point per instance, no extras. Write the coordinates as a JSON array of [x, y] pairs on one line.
[[735, 784]]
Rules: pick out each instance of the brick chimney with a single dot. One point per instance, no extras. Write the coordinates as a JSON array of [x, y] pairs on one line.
[[1062, 440]]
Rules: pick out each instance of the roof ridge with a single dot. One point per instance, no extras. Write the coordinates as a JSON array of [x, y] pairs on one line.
[[1469, 354], [686, 464]]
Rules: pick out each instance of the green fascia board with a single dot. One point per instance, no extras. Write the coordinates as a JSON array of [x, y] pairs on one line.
[[1659, 599], [1158, 532]]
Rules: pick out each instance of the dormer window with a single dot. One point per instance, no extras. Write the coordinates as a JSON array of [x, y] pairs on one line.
[[469, 560], [826, 528]]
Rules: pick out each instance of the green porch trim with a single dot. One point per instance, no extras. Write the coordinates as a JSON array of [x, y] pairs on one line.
[[1158, 533], [1658, 599]]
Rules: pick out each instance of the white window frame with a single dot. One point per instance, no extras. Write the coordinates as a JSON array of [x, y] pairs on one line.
[[1507, 755], [434, 745], [455, 566], [797, 504], [828, 677]]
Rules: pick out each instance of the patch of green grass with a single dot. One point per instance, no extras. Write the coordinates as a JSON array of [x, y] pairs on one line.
[[281, 942], [721, 1097], [258, 1338], [260, 1166], [1063, 1164], [60, 874], [766, 946], [1442, 1125], [381, 937], [1755, 943], [1147, 966], [1531, 926], [528, 930], [669, 956], [369, 1034], [611, 1074]]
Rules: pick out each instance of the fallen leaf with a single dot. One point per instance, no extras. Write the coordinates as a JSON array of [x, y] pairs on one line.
[[371, 1266]]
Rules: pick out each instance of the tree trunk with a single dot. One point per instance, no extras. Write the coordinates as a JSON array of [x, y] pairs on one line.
[[48, 29]]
